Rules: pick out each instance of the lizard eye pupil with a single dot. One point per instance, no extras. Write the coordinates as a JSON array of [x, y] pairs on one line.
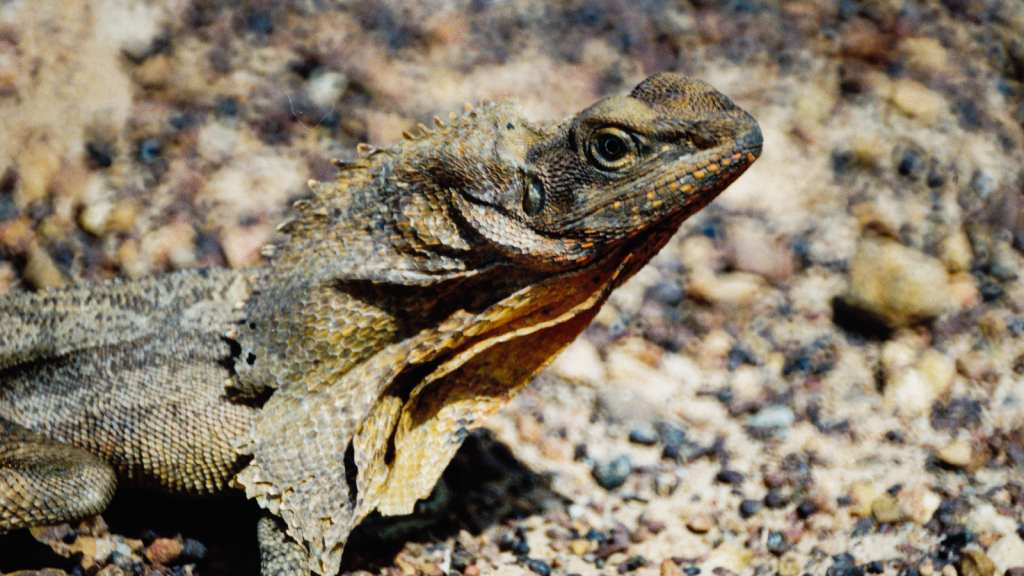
[[611, 149]]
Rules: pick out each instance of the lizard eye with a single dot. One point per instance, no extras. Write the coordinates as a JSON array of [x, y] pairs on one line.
[[611, 149], [534, 199]]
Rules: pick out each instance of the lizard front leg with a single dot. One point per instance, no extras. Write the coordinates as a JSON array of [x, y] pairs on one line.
[[47, 482]]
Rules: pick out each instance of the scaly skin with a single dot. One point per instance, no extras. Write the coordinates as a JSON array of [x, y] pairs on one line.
[[415, 294]]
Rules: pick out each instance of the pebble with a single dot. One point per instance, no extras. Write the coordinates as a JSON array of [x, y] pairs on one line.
[[1006, 553], [751, 250], [896, 284], [613, 473], [749, 508], [700, 523], [729, 477], [917, 100], [669, 568], [644, 434], [913, 389], [580, 546], [775, 417], [887, 510], [958, 454], [975, 563], [580, 362], [41, 271], [920, 503], [955, 252], [163, 551]]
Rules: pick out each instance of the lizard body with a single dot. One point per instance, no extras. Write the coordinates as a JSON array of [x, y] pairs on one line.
[[414, 295]]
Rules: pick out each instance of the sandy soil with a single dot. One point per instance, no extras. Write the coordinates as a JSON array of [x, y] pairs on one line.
[[823, 372]]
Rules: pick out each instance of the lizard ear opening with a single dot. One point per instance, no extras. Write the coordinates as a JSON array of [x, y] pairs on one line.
[[533, 200]]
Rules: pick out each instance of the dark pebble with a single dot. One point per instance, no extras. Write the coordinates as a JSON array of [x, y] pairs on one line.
[[147, 537], [894, 489], [863, 527], [691, 571], [749, 507], [908, 571], [874, 567], [1015, 571], [729, 477], [149, 150], [120, 560], [595, 536], [177, 571], [670, 293], [843, 560], [844, 501], [805, 509], [520, 548], [895, 436], [579, 452], [673, 438], [643, 434], [462, 558], [192, 551], [935, 179], [101, 154], [539, 566], [70, 537], [951, 545], [505, 541], [632, 564], [776, 499], [776, 543], [612, 474]]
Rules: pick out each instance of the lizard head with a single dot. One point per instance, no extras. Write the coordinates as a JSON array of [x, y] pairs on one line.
[[618, 168]]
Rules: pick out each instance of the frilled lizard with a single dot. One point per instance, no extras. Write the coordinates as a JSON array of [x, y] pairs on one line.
[[413, 296]]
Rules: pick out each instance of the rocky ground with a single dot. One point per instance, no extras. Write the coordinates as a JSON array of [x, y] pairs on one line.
[[823, 372]]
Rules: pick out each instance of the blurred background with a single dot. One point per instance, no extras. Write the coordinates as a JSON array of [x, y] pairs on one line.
[[822, 373]]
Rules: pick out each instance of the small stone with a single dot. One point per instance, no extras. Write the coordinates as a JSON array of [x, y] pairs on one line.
[[920, 503], [955, 252], [612, 474], [580, 362], [1006, 553], [1015, 571], [887, 510], [163, 551], [41, 271], [325, 87], [729, 477], [700, 523], [917, 100], [669, 568], [776, 543], [580, 546], [913, 389], [805, 509], [958, 454], [749, 508], [923, 54], [975, 563], [897, 285], [644, 434], [775, 417], [538, 566]]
